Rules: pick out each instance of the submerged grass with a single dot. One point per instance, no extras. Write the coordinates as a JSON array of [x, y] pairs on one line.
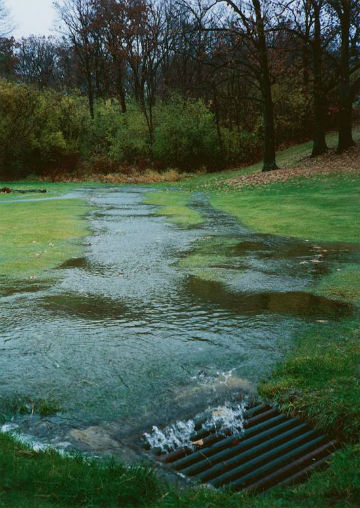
[[18, 405], [175, 205]]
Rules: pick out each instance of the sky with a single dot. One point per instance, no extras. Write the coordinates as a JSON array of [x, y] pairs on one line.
[[32, 17]]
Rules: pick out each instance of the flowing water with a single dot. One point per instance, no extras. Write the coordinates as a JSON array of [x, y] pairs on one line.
[[126, 337]]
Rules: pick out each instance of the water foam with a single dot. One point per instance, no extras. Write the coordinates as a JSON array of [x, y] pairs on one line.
[[225, 419], [173, 436]]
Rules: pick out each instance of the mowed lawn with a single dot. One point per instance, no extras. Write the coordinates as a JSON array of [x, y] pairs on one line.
[[39, 231]]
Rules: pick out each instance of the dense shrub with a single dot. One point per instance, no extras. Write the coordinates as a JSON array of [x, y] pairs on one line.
[[131, 141], [185, 135], [47, 132], [39, 131], [240, 145], [17, 121]]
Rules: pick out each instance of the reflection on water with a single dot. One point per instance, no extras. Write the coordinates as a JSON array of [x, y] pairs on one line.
[[123, 338]]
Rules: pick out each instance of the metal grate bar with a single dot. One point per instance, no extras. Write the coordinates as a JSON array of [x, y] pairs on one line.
[[301, 468], [205, 452], [272, 449], [252, 476], [235, 456], [215, 437]]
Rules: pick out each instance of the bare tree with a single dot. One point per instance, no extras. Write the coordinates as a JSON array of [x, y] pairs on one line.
[[78, 17], [252, 26], [37, 60], [348, 17], [111, 21], [308, 21]]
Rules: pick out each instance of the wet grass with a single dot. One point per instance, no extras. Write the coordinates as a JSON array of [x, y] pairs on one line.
[[320, 379], [320, 209], [36, 233], [30, 479], [342, 284], [45, 479], [18, 405]]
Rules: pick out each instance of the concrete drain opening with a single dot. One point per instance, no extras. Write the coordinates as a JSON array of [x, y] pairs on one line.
[[269, 449]]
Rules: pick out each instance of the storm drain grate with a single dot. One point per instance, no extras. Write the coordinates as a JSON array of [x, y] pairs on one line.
[[273, 449]]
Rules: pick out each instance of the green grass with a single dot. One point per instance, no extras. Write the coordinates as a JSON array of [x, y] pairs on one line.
[[174, 205], [45, 479], [38, 235], [320, 379], [342, 284], [31, 479], [320, 208]]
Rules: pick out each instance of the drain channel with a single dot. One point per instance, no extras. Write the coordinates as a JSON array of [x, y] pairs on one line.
[[273, 449]]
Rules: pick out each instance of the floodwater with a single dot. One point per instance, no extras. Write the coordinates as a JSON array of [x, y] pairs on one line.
[[126, 337]]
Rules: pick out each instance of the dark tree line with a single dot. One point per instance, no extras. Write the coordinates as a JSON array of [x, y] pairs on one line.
[[232, 54]]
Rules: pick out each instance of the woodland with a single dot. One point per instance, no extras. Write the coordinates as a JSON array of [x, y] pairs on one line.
[[187, 85]]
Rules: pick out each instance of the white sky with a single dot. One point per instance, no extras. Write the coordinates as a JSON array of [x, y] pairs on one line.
[[32, 17]]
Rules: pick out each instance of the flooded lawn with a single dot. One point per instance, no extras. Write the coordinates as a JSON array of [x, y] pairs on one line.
[[155, 322]]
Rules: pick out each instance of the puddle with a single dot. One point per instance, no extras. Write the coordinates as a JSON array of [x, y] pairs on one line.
[[81, 263], [292, 303], [7, 289], [129, 335], [90, 307]]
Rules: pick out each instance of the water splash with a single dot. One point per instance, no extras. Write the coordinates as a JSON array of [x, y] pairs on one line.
[[174, 436], [225, 419], [228, 418], [14, 431]]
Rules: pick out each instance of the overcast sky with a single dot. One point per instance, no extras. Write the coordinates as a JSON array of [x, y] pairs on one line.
[[32, 16]]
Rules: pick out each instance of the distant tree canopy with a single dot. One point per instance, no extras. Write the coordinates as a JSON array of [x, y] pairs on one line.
[[258, 72]]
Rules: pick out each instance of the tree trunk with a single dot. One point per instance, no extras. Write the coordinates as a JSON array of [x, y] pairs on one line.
[[269, 163], [217, 120], [345, 95], [122, 98], [120, 84], [91, 99], [90, 88], [319, 135]]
